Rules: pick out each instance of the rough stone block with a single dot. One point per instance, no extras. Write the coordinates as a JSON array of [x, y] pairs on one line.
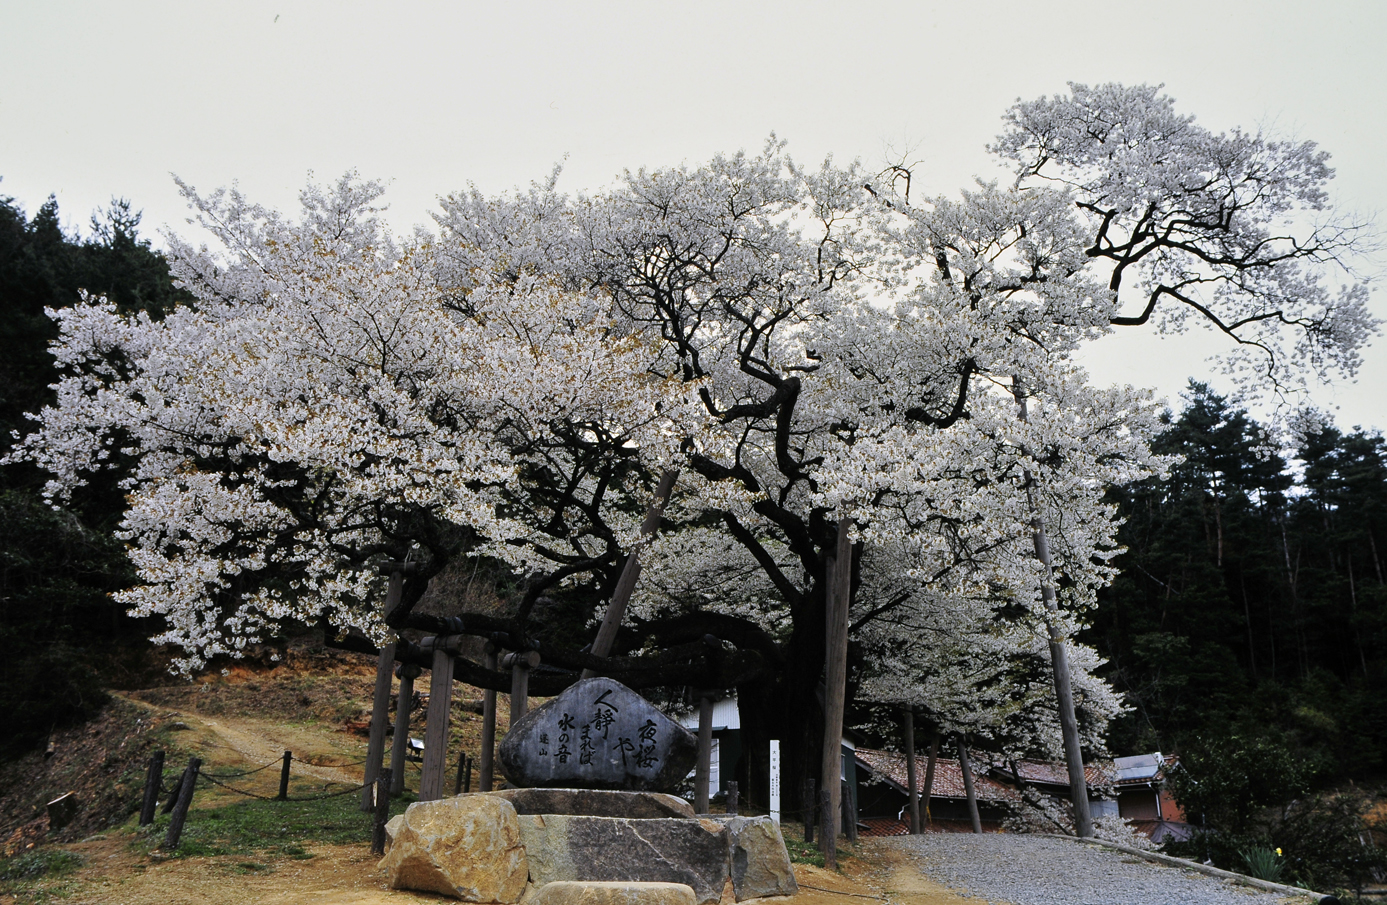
[[692, 852], [760, 862], [567, 892], [392, 827], [596, 803], [598, 734], [467, 847]]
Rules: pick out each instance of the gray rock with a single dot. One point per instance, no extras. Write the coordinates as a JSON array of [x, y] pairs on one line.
[[760, 862], [598, 734], [692, 852], [596, 803]]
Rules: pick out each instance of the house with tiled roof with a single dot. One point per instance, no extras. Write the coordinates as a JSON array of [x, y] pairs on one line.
[[882, 795], [1129, 787]]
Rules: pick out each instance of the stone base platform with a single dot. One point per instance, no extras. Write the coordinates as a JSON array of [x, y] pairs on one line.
[[446, 846], [566, 892]]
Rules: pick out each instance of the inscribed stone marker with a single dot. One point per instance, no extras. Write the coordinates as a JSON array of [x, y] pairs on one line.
[[598, 734]]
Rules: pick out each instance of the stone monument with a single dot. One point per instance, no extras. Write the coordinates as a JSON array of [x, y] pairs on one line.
[[598, 734], [589, 823]]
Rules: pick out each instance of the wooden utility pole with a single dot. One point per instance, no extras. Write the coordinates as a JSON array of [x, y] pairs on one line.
[[908, 731], [626, 584], [837, 593]]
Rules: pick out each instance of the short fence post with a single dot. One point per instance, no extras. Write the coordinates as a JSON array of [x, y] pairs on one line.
[[284, 777], [173, 794], [382, 815], [462, 771], [809, 810], [732, 799], [180, 810], [151, 788], [828, 836]]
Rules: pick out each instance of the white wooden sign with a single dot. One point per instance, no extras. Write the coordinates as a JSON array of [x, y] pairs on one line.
[[775, 780]]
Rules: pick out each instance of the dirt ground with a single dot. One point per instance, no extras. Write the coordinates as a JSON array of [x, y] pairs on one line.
[[248, 717], [347, 874]]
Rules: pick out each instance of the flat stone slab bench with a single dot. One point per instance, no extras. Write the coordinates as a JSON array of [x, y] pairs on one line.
[[482, 848], [566, 892]]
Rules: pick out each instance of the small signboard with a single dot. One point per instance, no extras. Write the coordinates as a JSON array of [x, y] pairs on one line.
[[775, 780]]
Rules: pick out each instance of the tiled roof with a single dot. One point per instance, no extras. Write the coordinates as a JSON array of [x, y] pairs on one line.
[[948, 777], [1057, 774]]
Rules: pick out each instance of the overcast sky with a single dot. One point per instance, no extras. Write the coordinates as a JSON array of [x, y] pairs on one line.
[[102, 99]]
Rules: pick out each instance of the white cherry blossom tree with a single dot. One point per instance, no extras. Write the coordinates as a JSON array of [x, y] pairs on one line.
[[805, 344]]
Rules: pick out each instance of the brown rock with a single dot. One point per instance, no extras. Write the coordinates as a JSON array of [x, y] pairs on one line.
[[691, 852], [392, 826], [567, 892], [760, 862], [467, 847], [596, 803]]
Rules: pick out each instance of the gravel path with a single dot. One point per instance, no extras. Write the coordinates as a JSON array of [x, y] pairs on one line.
[[1034, 870]]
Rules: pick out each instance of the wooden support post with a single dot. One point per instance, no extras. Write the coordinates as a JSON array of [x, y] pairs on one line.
[[381, 795], [626, 584], [810, 810], [838, 592], [180, 810], [908, 732], [436, 734], [467, 775], [928, 791], [380, 701], [154, 778], [488, 723], [703, 770], [732, 799], [828, 820], [967, 770], [520, 664], [399, 744], [284, 777]]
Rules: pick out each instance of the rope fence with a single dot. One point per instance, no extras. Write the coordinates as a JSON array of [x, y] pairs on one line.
[[180, 792], [216, 782]]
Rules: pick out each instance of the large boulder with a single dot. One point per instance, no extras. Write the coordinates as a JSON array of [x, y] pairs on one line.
[[760, 862], [692, 852], [598, 734], [467, 847], [566, 892], [596, 803]]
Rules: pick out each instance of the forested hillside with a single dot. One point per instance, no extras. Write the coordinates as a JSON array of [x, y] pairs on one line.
[[1251, 600], [56, 567]]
